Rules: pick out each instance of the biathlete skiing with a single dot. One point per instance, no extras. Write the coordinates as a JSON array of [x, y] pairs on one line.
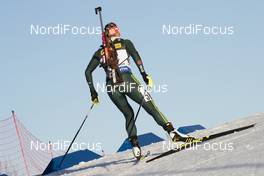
[[114, 57]]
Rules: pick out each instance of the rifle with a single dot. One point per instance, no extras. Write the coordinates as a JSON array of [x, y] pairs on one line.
[[110, 54]]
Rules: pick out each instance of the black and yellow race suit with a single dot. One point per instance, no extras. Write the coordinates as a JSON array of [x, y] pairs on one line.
[[131, 86]]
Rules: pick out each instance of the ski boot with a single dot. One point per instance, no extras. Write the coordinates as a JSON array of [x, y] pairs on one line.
[[136, 148], [176, 136]]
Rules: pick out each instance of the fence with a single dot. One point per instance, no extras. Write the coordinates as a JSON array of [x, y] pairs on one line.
[[18, 156]]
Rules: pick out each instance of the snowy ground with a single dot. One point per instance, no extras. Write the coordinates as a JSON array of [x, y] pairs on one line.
[[241, 153]]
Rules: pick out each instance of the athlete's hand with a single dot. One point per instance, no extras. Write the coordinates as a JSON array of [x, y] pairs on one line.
[[148, 80], [94, 98]]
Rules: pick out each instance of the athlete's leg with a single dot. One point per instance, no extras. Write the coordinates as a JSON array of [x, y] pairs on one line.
[[153, 110], [149, 105], [120, 100]]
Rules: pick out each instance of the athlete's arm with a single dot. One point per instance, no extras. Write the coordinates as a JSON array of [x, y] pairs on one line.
[[93, 64], [134, 54]]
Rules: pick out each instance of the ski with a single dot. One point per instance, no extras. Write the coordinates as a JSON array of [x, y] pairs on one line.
[[200, 140]]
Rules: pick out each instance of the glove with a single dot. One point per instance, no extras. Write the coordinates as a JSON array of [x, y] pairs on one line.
[[148, 80], [94, 97]]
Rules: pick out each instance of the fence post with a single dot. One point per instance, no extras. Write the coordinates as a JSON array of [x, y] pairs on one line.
[[50, 148], [20, 142]]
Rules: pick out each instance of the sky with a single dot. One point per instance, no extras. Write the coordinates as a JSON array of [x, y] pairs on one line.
[[211, 79]]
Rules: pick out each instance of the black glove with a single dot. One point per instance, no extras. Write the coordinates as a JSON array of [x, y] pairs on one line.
[[144, 76], [94, 97], [148, 80]]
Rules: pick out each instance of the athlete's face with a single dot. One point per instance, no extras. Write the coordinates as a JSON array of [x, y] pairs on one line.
[[113, 32]]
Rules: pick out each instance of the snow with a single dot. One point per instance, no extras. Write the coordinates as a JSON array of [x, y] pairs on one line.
[[241, 153]]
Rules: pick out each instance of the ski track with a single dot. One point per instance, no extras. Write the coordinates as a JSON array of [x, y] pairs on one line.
[[218, 156], [246, 158]]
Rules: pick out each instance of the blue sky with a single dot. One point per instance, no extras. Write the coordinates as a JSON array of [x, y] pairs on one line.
[[211, 79]]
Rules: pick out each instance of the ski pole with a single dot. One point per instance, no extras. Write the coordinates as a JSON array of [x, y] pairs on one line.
[[64, 156]]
